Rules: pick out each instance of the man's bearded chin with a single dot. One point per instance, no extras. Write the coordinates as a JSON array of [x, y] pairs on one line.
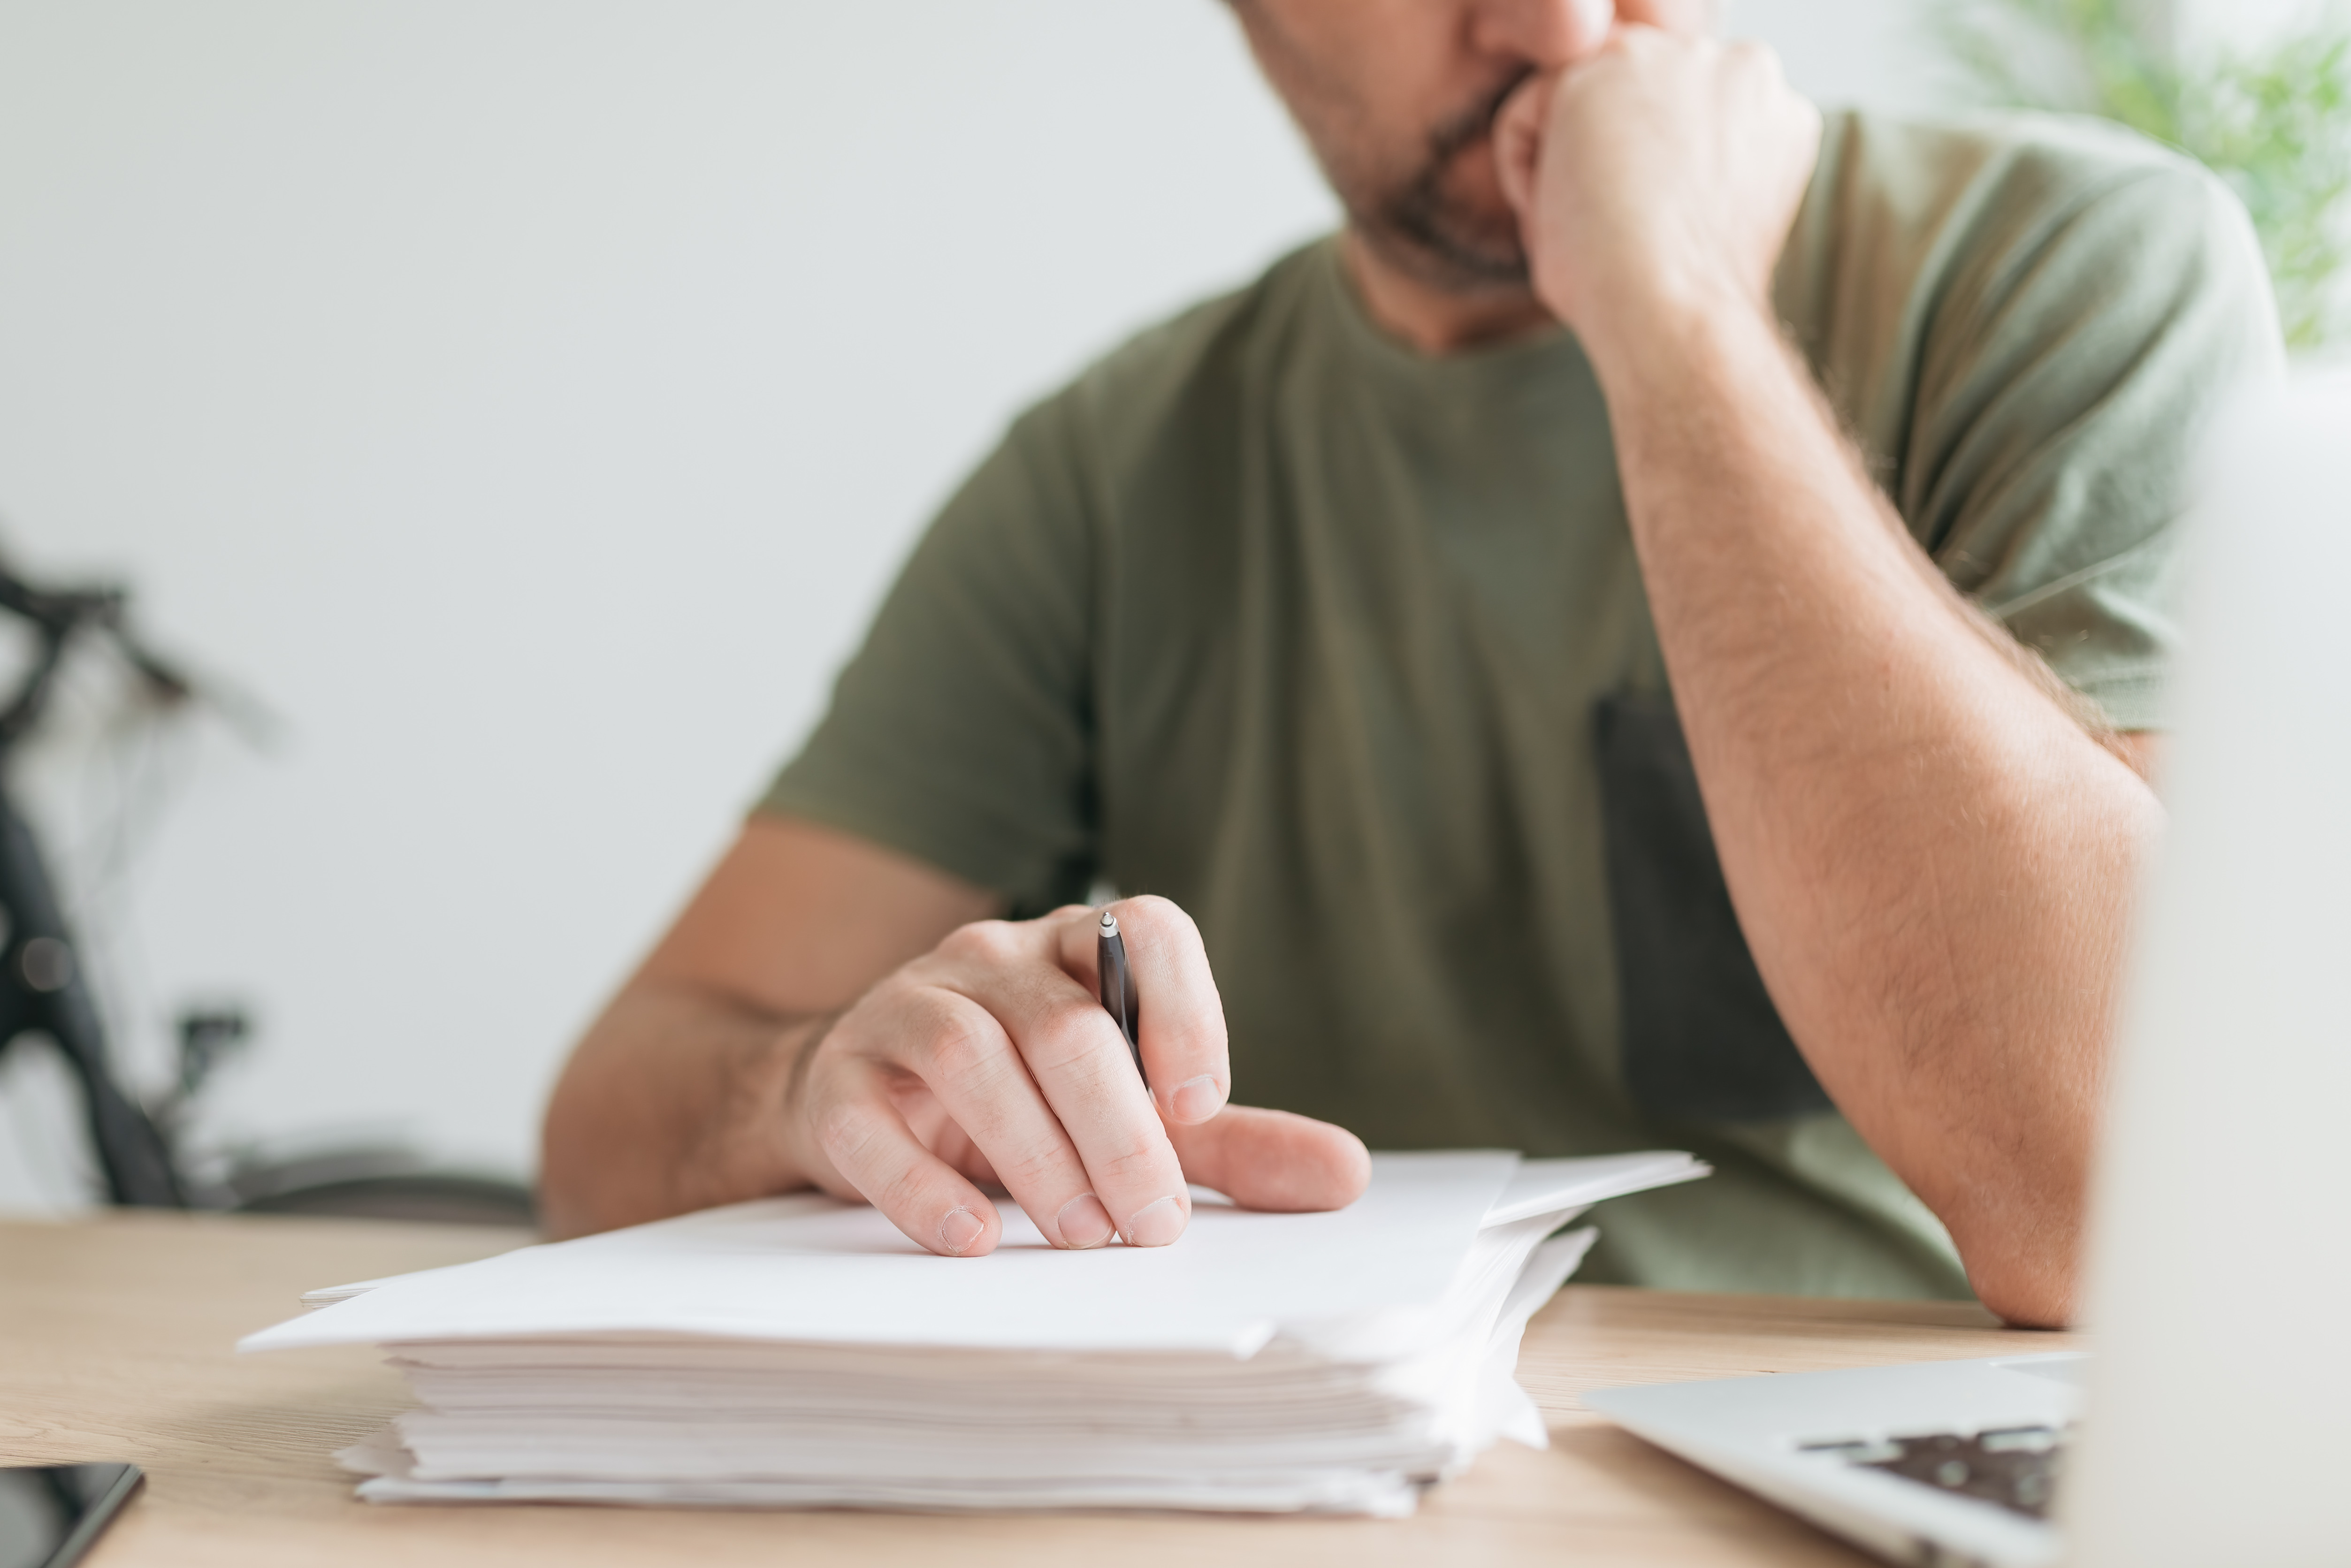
[[1435, 225]]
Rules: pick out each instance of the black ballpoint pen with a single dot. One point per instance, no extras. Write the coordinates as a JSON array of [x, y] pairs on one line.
[[1118, 988]]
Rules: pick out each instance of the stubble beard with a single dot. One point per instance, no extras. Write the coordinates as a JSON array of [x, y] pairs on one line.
[[1423, 227]]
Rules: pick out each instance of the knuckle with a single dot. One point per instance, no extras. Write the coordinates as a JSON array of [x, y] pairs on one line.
[[1133, 1166], [901, 1192], [983, 942], [878, 1017], [887, 995], [957, 1046], [843, 1128], [1037, 1170], [1149, 909], [1070, 1035]]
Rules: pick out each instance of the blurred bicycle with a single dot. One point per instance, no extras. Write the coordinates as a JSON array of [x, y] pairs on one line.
[[46, 989]]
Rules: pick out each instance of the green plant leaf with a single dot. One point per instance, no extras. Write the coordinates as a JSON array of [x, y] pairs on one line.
[[2275, 122]]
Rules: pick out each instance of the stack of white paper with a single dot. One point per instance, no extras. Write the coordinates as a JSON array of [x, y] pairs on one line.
[[799, 1352]]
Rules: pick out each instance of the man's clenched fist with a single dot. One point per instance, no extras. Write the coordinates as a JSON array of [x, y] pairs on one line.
[[1659, 173]]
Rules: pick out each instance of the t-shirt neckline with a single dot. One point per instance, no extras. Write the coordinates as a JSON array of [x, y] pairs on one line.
[[1393, 358]]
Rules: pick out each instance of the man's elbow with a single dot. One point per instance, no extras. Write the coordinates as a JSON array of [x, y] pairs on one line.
[[2028, 1278], [2019, 1215]]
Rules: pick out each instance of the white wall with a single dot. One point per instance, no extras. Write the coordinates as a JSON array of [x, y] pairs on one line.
[[527, 400]]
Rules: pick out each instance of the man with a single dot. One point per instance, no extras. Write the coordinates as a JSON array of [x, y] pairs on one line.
[[1642, 441]]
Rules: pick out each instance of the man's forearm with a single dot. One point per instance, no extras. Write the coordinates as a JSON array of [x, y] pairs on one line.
[[673, 1102], [1933, 860]]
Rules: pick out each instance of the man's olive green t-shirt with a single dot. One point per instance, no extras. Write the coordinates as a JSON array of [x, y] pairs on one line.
[[1274, 616]]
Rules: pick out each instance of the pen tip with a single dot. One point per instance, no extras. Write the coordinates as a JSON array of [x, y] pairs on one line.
[[1109, 924]]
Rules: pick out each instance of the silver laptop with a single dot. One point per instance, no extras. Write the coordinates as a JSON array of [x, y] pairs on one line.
[[2212, 1427]]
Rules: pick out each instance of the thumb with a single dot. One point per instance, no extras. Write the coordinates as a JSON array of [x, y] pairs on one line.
[[1273, 1160], [1518, 141]]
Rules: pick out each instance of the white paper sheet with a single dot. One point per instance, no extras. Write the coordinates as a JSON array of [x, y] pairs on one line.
[[801, 1352], [811, 1269]]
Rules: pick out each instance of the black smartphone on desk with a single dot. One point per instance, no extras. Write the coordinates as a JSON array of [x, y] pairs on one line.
[[50, 1514]]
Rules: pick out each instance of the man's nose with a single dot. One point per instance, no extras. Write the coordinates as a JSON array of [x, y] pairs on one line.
[[1549, 34]]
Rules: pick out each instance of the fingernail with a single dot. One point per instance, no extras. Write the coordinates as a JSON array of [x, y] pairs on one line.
[[1196, 1100], [1084, 1222], [958, 1230], [1156, 1224]]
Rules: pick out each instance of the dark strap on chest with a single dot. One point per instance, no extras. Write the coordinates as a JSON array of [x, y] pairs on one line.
[[1701, 1039]]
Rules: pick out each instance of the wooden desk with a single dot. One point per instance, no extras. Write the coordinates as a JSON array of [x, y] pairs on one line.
[[114, 1344]]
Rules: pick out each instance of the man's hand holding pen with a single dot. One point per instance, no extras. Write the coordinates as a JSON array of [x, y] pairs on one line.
[[990, 1062]]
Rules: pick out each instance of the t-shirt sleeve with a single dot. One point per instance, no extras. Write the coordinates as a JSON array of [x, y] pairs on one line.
[[961, 733], [2066, 377]]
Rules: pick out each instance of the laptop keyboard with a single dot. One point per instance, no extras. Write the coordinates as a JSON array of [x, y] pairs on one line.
[[2014, 1467]]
